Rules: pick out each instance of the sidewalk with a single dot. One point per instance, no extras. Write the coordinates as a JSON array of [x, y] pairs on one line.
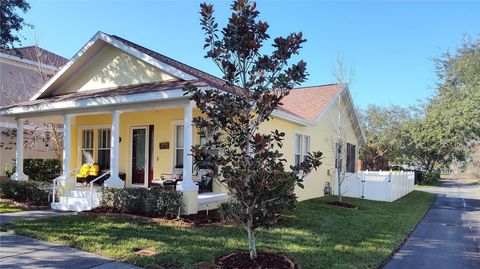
[[18, 251], [30, 215]]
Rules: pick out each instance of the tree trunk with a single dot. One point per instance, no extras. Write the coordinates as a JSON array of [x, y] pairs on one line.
[[340, 198], [251, 239]]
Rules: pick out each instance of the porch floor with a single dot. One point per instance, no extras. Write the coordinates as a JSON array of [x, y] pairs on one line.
[[211, 197]]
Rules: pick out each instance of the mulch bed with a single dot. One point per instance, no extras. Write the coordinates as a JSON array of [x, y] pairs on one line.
[[25, 206], [342, 204], [199, 219], [264, 260]]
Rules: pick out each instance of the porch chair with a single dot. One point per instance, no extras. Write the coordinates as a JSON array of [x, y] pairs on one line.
[[204, 180], [82, 175], [94, 172], [169, 181]]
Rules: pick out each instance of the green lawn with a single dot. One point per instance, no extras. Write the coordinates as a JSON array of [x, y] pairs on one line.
[[8, 208], [314, 234]]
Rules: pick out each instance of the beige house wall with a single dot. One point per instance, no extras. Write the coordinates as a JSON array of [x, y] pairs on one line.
[[111, 67]]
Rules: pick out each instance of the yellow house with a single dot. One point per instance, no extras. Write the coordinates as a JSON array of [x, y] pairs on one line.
[[123, 108]]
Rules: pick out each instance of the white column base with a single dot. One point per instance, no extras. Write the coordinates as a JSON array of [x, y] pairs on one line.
[[190, 199], [19, 177], [114, 182]]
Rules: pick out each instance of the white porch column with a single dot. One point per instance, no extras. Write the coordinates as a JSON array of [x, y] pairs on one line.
[[190, 189], [114, 181], [19, 175], [66, 181], [67, 145]]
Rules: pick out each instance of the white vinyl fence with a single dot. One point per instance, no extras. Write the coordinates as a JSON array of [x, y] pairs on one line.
[[377, 185]]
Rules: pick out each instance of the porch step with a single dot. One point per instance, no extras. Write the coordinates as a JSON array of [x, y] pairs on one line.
[[77, 200]]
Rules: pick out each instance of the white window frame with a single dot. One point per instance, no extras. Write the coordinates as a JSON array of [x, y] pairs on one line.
[[100, 140], [174, 125], [301, 150], [95, 128], [85, 137]]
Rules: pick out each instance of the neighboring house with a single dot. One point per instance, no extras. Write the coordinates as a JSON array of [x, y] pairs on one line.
[[22, 72], [122, 106]]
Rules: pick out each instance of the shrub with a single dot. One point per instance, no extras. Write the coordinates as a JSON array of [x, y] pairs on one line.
[[38, 169], [9, 170], [30, 192], [430, 177], [42, 169], [146, 202]]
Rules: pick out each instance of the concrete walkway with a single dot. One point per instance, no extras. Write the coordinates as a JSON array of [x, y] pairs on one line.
[[449, 235], [23, 252], [31, 215]]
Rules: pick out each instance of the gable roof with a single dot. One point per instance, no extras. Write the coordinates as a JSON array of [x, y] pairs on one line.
[[37, 54], [303, 105], [310, 102], [172, 67]]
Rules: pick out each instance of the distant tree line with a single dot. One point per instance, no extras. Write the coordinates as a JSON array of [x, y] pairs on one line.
[[433, 134]]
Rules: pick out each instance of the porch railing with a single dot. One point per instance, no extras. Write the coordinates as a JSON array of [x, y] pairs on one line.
[[55, 182], [91, 186]]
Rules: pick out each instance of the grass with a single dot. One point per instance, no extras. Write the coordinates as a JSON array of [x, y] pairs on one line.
[[6, 207], [315, 234]]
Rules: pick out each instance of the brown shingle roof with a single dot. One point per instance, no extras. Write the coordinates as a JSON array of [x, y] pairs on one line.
[[112, 92], [204, 76], [310, 102], [37, 54], [307, 102]]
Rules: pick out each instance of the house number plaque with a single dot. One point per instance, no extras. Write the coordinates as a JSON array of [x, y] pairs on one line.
[[164, 145]]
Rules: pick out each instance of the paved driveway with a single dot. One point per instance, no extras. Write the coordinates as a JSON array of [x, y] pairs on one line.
[[449, 235], [23, 252]]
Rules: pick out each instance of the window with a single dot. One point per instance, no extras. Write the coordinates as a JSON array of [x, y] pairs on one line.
[[306, 146], [351, 158], [87, 146], [302, 147], [103, 153], [179, 146]]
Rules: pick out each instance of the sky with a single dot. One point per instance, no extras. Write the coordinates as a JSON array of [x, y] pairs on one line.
[[389, 44]]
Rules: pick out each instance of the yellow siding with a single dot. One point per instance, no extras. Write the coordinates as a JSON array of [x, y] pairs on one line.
[[162, 120], [322, 136], [110, 68]]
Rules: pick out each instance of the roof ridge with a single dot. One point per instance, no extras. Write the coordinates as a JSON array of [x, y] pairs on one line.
[[314, 86]]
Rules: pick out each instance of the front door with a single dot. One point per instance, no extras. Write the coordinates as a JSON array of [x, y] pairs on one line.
[[140, 156]]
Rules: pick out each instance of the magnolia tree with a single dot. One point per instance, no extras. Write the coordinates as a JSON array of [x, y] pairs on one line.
[[248, 163]]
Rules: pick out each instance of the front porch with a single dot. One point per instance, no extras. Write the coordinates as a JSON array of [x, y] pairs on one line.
[[134, 147]]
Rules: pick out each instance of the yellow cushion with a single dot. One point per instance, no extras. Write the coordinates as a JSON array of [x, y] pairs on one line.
[[83, 173], [94, 170]]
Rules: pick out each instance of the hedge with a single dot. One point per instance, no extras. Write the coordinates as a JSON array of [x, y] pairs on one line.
[[144, 202], [39, 169], [30, 192]]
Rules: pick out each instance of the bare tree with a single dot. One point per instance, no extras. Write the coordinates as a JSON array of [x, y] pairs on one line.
[[341, 124], [341, 72], [39, 136]]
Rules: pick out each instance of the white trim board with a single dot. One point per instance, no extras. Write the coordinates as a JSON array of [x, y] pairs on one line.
[[100, 36]]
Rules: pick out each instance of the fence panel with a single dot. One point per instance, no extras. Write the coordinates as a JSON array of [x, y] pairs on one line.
[[377, 185]]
